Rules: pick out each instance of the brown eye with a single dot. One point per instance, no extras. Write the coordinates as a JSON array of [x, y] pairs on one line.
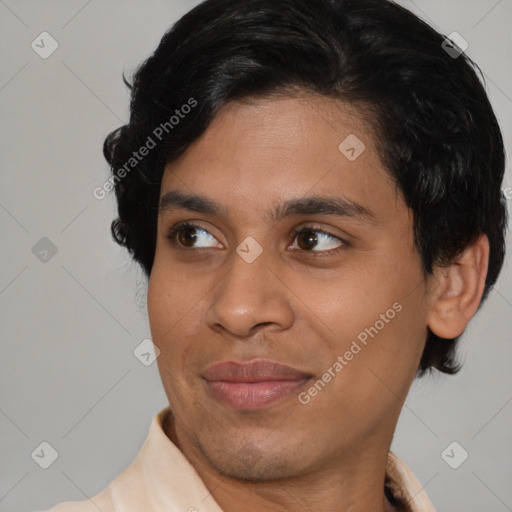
[[191, 236], [185, 236], [307, 240], [317, 242]]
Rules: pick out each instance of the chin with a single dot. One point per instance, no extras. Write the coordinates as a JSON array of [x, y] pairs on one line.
[[251, 464]]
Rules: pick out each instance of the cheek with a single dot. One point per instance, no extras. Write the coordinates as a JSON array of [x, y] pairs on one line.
[[175, 310], [158, 301], [164, 314], [350, 300], [169, 299], [382, 308]]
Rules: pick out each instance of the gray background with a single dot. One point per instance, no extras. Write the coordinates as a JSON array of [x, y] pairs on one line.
[[69, 325]]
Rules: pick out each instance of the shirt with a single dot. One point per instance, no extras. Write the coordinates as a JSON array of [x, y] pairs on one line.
[[161, 479]]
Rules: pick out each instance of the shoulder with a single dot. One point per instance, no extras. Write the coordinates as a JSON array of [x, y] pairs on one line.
[[102, 501]]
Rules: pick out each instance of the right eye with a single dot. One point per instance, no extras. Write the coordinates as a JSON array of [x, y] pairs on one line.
[[185, 234]]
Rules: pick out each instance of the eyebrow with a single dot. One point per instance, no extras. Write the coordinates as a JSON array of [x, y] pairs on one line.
[[313, 205]]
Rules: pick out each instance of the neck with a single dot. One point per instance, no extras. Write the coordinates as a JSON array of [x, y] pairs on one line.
[[348, 482]]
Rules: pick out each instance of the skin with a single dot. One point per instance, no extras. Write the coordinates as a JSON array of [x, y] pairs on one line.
[[206, 304]]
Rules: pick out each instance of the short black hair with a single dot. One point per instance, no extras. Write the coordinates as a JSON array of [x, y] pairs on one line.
[[438, 136]]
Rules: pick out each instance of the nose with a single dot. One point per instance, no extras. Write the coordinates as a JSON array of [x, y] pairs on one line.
[[248, 297]]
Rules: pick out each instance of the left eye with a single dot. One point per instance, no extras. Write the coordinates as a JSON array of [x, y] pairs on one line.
[[310, 238]]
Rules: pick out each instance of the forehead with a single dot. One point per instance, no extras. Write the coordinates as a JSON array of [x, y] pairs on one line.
[[258, 152]]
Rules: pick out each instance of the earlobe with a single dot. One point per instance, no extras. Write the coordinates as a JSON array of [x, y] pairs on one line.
[[458, 289]]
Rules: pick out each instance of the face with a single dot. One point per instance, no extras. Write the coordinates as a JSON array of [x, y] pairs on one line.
[[301, 253]]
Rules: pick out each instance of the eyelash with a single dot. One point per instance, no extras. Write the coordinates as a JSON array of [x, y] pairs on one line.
[[175, 230]]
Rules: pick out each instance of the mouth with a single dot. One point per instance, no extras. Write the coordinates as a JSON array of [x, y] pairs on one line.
[[254, 384]]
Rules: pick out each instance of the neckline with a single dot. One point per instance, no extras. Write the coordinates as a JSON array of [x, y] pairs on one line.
[[167, 421]]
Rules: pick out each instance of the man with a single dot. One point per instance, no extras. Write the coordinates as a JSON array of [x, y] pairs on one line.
[[313, 191]]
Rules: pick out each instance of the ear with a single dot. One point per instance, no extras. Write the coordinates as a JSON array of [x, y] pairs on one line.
[[457, 290]]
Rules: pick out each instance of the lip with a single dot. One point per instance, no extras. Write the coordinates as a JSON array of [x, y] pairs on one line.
[[253, 384]]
